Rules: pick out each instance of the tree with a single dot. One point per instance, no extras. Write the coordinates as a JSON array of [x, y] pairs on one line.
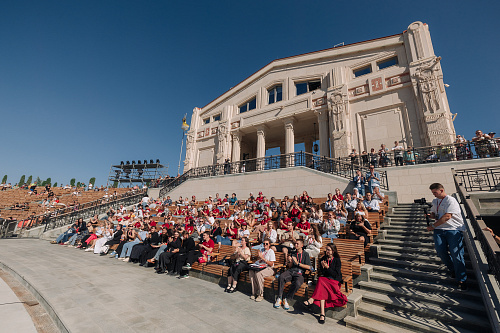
[[30, 179], [48, 181], [78, 184], [21, 181], [4, 179], [55, 184], [92, 181], [72, 182], [38, 181], [115, 184], [44, 183]]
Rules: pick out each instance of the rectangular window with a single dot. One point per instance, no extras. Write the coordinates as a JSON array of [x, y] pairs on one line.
[[206, 120], [363, 71], [250, 105], [387, 63], [275, 94], [305, 87], [217, 117]]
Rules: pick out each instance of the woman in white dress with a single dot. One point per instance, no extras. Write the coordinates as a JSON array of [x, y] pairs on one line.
[[106, 236]]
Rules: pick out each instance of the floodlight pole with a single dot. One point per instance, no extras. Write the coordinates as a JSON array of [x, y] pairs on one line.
[[180, 154]]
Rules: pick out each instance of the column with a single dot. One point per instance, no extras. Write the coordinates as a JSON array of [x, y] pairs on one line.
[[236, 147], [261, 147], [261, 142], [324, 147], [289, 140]]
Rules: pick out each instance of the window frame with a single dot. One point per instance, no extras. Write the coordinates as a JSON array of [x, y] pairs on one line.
[[387, 60], [308, 83], [247, 105], [361, 68], [275, 93], [215, 116], [206, 121]]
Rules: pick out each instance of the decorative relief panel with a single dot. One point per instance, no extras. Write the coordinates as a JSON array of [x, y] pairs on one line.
[[201, 134], [377, 84], [235, 125], [319, 101]]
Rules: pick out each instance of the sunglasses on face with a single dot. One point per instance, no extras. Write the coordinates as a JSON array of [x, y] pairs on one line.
[[266, 243]]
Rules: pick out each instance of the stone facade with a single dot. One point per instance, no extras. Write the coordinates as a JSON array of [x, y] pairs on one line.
[[354, 96]]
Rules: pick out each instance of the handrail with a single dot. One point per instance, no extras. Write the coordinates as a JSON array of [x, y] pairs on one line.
[[67, 215], [320, 163], [490, 248]]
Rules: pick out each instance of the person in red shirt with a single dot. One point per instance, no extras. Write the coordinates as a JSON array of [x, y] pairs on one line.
[[202, 255], [303, 227], [304, 198], [259, 198], [338, 196], [226, 213], [284, 222], [295, 212], [216, 211], [190, 226]]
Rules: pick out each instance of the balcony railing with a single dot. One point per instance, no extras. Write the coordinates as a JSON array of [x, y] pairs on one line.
[[320, 163], [480, 179], [431, 154]]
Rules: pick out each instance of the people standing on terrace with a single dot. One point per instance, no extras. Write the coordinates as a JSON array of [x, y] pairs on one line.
[[481, 141], [383, 157], [398, 153]]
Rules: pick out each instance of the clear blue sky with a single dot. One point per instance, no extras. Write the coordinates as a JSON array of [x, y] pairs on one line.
[[86, 84]]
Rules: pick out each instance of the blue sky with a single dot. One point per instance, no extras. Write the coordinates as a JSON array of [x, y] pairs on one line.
[[86, 84]]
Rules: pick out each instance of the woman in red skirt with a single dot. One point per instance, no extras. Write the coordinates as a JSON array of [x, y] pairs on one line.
[[327, 293]]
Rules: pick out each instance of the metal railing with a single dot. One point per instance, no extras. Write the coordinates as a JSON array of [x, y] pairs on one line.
[[480, 179], [490, 248], [333, 166], [67, 215], [431, 154]]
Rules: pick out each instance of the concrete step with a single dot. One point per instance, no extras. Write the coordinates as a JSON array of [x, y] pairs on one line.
[[415, 257], [407, 321], [444, 286], [423, 277], [470, 297], [366, 324], [413, 244], [423, 239], [413, 250], [407, 232], [451, 314], [394, 224], [419, 266]]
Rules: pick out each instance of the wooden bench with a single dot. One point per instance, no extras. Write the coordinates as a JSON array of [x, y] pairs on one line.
[[351, 250]]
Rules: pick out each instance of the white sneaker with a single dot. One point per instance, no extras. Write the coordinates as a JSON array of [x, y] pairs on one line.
[[70, 246], [89, 249], [126, 259]]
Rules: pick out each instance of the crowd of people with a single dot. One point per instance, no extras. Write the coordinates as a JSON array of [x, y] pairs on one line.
[[485, 145], [171, 235]]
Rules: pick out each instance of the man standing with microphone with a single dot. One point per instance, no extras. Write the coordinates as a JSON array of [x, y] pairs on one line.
[[448, 237]]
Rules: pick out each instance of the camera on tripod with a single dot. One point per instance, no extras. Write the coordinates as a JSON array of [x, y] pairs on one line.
[[426, 205]]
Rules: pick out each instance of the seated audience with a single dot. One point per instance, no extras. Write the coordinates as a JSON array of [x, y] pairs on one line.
[[370, 204], [360, 228]]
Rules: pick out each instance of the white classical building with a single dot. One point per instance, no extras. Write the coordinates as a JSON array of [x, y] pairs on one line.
[[354, 96]]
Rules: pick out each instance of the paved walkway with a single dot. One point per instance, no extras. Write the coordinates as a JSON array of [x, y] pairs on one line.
[[13, 314], [91, 293]]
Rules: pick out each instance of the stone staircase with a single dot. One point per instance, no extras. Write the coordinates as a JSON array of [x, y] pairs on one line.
[[409, 289]]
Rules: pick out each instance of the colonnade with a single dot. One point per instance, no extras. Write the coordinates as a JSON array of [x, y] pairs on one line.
[[289, 125]]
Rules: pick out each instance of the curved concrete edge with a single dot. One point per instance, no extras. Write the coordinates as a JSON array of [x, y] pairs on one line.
[[39, 297]]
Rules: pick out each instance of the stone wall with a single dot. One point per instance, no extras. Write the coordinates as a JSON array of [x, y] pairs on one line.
[[410, 182]]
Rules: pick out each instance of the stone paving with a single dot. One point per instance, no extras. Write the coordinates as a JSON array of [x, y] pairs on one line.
[[91, 293], [13, 315]]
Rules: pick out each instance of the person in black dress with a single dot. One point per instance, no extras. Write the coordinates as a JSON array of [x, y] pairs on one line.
[[165, 259], [360, 228]]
